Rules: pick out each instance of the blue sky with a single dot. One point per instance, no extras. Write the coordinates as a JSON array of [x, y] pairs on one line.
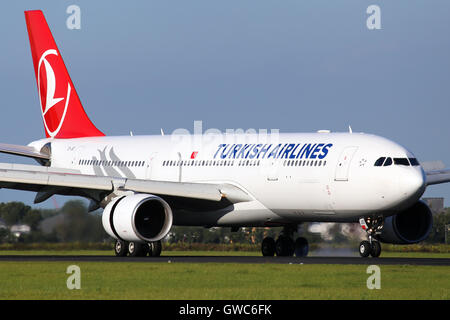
[[297, 66]]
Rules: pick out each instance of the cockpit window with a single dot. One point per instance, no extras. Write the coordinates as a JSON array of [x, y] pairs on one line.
[[414, 162], [388, 162], [384, 161], [380, 161], [401, 161]]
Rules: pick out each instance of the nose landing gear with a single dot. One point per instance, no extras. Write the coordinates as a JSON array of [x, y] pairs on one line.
[[373, 227]]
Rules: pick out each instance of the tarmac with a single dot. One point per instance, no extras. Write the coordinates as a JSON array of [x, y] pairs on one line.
[[231, 259]]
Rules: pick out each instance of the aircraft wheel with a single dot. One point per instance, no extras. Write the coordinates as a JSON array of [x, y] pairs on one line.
[[284, 246], [268, 247], [376, 249], [301, 247], [364, 249], [155, 248], [121, 248], [136, 249]]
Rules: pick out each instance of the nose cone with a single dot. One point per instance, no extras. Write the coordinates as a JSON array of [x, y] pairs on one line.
[[412, 183]]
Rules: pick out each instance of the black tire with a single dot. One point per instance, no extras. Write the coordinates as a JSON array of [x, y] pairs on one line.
[[145, 250], [376, 249], [364, 249], [136, 249], [284, 246], [301, 247], [120, 248], [150, 249], [268, 247], [156, 248]]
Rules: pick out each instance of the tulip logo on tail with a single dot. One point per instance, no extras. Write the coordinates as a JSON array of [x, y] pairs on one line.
[[53, 108]]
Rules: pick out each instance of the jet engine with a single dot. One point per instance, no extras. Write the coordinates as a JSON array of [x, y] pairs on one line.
[[137, 218], [409, 226]]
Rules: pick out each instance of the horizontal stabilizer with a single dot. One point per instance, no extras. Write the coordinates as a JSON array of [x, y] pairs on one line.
[[25, 151]]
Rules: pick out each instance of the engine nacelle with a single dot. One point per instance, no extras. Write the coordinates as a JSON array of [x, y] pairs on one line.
[[409, 226], [138, 218]]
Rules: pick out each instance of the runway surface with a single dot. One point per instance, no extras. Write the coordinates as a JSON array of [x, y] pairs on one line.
[[231, 259]]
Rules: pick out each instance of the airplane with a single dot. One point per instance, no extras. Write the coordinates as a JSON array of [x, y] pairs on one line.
[[147, 184]]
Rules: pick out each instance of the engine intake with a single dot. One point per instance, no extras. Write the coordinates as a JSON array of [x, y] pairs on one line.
[[138, 218], [410, 226]]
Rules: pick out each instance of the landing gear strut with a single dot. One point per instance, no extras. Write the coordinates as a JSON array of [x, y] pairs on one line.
[[285, 246], [373, 227]]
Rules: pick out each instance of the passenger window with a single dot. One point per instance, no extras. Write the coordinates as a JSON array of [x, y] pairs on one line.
[[380, 161]]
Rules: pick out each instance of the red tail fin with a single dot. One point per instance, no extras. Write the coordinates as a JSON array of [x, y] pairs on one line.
[[62, 112]]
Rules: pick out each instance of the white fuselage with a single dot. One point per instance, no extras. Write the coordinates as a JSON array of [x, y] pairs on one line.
[[291, 177]]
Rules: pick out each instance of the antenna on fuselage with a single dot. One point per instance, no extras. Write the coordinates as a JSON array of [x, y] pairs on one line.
[[162, 132], [350, 129]]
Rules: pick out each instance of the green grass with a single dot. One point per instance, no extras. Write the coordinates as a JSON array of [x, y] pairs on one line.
[[47, 280], [104, 280]]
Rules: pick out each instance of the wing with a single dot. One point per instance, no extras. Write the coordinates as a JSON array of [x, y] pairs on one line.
[[47, 181], [435, 172], [437, 176]]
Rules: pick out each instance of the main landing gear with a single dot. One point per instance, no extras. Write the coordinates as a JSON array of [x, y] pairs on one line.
[[373, 227], [137, 249], [285, 246]]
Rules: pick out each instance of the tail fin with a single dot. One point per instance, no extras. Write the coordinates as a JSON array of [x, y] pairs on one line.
[[62, 112]]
